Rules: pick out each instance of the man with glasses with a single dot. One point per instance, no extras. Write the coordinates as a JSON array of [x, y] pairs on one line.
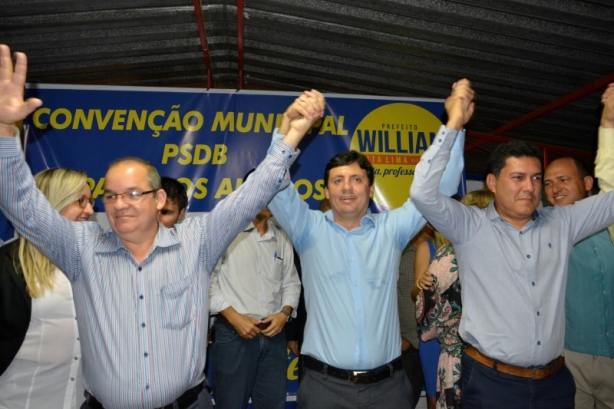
[[141, 291]]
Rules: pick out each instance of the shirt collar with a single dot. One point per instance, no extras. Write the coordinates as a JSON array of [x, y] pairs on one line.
[[164, 238], [492, 213], [367, 219]]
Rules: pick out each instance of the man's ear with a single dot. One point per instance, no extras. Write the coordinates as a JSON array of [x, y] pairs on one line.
[[161, 198], [181, 215], [491, 182], [588, 182]]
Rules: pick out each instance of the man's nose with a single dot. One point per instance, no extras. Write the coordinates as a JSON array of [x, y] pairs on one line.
[[120, 203], [529, 184]]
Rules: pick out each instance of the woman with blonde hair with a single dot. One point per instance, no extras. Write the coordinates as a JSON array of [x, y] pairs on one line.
[[40, 353], [438, 312]]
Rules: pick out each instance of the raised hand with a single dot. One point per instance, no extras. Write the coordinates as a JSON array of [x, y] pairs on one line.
[[607, 115], [13, 108], [459, 105], [301, 115]]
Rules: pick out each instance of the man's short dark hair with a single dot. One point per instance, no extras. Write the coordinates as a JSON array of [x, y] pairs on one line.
[[582, 172], [175, 192], [346, 159], [513, 149]]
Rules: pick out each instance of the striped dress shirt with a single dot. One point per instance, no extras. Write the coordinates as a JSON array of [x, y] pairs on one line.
[[143, 326]]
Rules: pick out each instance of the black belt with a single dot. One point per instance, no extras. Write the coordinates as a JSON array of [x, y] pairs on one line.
[[370, 376], [189, 397], [261, 326]]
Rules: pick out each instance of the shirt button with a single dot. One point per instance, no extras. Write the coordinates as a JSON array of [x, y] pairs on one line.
[[440, 140], [429, 161], [141, 296], [140, 268], [538, 313], [539, 342], [76, 358], [145, 354], [72, 379], [528, 256], [533, 283], [143, 325]]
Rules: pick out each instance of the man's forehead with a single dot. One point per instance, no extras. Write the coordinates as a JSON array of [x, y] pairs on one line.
[[130, 175], [351, 169], [523, 164], [562, 166]]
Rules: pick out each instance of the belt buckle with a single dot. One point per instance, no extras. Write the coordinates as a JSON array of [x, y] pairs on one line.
[[355, 376]]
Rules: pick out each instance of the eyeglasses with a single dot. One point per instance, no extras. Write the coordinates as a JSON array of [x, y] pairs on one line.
[[132, 196], [84, 200]]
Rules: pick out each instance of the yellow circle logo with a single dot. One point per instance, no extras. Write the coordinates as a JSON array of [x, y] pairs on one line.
[[393, 137]]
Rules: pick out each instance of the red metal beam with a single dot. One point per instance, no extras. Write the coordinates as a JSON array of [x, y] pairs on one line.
[[564, 100], [240, 37], [200, 21]]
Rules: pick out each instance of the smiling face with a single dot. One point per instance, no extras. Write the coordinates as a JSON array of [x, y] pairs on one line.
[[75, 212], [132, 220], [517, 190], [349, 192], [563, 183]]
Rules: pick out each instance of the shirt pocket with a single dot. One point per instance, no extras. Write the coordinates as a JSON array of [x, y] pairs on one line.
[[177, 304]]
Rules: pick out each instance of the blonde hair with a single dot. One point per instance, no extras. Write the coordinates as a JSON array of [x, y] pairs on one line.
[[480, 198], [61, 187]]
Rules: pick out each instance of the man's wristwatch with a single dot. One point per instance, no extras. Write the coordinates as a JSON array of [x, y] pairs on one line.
[[288, 316]]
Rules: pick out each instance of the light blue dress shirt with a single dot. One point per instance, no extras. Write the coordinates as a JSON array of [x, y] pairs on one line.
[[350, 277], [513, 281], [143, 327]]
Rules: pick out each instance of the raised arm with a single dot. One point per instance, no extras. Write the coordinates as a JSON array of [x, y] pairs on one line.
[[20, 200], [445, 214], [13, 108], [232, 214], [604, 161], [289, 210]]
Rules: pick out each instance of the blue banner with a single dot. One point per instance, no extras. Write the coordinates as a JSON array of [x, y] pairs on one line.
[[210, 139]]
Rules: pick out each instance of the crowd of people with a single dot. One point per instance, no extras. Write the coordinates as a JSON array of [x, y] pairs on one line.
[[512, 299]]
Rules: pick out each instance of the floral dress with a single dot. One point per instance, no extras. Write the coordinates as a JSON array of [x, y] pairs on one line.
[[438, 313]]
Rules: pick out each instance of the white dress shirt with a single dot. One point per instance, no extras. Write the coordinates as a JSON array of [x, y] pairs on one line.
[[45, 372], [256, 275]]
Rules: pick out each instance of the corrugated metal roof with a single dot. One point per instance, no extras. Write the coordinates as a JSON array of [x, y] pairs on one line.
[[520, 54]]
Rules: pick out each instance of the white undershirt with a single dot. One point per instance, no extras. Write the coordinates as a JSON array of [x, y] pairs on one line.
[[47, 369]]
